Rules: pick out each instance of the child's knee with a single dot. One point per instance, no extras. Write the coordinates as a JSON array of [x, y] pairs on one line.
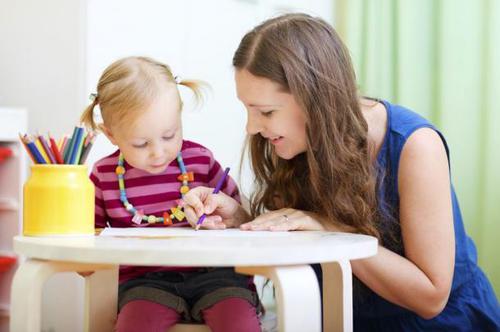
[[232, 314], [141, 315]]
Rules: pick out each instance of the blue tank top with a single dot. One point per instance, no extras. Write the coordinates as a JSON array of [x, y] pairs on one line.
[[472, 304]]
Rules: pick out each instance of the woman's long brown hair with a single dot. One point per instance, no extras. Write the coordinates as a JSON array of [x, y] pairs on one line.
[[335, 177]]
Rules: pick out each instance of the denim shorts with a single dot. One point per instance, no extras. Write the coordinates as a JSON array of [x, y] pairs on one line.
[[188, 293]]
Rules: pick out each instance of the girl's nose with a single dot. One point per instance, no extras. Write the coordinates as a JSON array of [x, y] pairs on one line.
[[156, 150]]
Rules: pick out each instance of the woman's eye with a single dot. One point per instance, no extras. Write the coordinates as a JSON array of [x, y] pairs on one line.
[[267, 114]]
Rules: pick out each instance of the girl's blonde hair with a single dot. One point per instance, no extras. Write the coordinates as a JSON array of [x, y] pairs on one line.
[[335, 177], [129, 85]]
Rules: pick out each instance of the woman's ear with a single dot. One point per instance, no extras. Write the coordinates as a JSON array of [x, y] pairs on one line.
[[107, 132]]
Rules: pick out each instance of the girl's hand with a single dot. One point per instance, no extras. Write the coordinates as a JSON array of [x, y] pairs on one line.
[[284, 220], [221, 210]]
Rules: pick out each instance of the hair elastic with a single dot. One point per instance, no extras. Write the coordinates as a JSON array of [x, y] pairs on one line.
[[93, 96]]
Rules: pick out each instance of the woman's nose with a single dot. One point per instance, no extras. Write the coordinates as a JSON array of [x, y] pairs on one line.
[[254, 125]]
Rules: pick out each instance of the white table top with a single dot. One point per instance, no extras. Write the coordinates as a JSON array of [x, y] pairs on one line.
[[186, 247]]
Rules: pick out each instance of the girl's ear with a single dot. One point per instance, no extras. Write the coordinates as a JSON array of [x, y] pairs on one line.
[[105, 130]]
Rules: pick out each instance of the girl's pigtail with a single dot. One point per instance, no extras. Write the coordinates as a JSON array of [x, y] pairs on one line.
[[87, 117], [197, 87]]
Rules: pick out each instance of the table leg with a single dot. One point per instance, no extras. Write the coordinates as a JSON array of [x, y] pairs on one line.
[[27, 286], [297, 296], [337, 296]]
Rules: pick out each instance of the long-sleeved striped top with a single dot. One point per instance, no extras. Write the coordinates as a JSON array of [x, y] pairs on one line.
[[152, 193]]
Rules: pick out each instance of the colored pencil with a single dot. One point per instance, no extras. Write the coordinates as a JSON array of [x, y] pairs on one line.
[[80, 148], [26, 148], [34, 150], [86, 150], [76, 145], [41, 151], [47, 149], [67, 157], [67, 147], [55, 150], [62, 143], [216, 190]]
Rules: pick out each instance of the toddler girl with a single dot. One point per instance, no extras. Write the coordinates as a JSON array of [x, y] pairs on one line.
[[140, 185]]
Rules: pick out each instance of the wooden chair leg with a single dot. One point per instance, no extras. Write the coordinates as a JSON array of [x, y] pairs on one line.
[[101, 300]]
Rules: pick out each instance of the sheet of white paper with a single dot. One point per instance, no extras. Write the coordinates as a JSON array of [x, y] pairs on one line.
[[185, 231]]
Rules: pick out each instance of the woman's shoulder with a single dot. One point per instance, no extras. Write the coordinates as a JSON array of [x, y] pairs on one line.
[[403, 120], [413, 133]]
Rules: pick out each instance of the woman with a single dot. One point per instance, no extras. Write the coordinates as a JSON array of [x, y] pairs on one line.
[[325, 158]]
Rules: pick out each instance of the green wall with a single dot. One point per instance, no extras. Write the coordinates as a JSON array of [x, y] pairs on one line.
[[441, 58]]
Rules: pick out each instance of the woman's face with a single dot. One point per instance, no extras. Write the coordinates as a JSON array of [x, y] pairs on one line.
[[272, 113]]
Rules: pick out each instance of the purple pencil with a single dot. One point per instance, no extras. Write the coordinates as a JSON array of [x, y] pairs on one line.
[[47, 149], [216, 190]]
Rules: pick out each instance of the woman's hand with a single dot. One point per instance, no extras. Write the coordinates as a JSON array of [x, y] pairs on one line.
[[285, 220], [222, 211]]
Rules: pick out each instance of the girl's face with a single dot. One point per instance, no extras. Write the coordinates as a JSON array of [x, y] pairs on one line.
[[154, 139], [272, 113]]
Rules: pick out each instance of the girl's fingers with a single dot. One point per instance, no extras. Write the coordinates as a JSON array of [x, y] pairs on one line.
[[222, 203], [191, 215], [194, 203], [210, 222], [213, 222], [195, 197], [211, 203]]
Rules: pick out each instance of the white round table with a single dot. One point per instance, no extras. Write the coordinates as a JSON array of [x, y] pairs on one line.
[[283, 257]]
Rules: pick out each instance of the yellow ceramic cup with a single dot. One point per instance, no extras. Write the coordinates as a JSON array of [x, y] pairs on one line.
[[58, 200]]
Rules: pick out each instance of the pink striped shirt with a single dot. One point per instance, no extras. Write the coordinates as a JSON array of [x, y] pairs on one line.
[[152, 193]]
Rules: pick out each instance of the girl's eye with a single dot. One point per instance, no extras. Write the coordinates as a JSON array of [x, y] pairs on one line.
[[267, 114], [138, 146], [168, 138]]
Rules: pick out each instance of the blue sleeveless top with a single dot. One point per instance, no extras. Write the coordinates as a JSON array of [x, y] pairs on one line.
[[472, 305]]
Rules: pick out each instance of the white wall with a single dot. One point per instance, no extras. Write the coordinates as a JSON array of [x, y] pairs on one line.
[[41, 69], [41, 56], [52, 53]]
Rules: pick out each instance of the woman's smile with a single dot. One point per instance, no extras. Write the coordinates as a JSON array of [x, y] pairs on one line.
[[276, 140]]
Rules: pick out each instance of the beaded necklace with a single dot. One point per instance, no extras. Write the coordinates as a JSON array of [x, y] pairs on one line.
[[168, 216]]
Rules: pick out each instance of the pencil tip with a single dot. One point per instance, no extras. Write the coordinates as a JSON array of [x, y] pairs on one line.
[[197, 227]]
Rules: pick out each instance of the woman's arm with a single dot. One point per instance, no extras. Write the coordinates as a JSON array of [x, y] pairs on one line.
[[421, 281]]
